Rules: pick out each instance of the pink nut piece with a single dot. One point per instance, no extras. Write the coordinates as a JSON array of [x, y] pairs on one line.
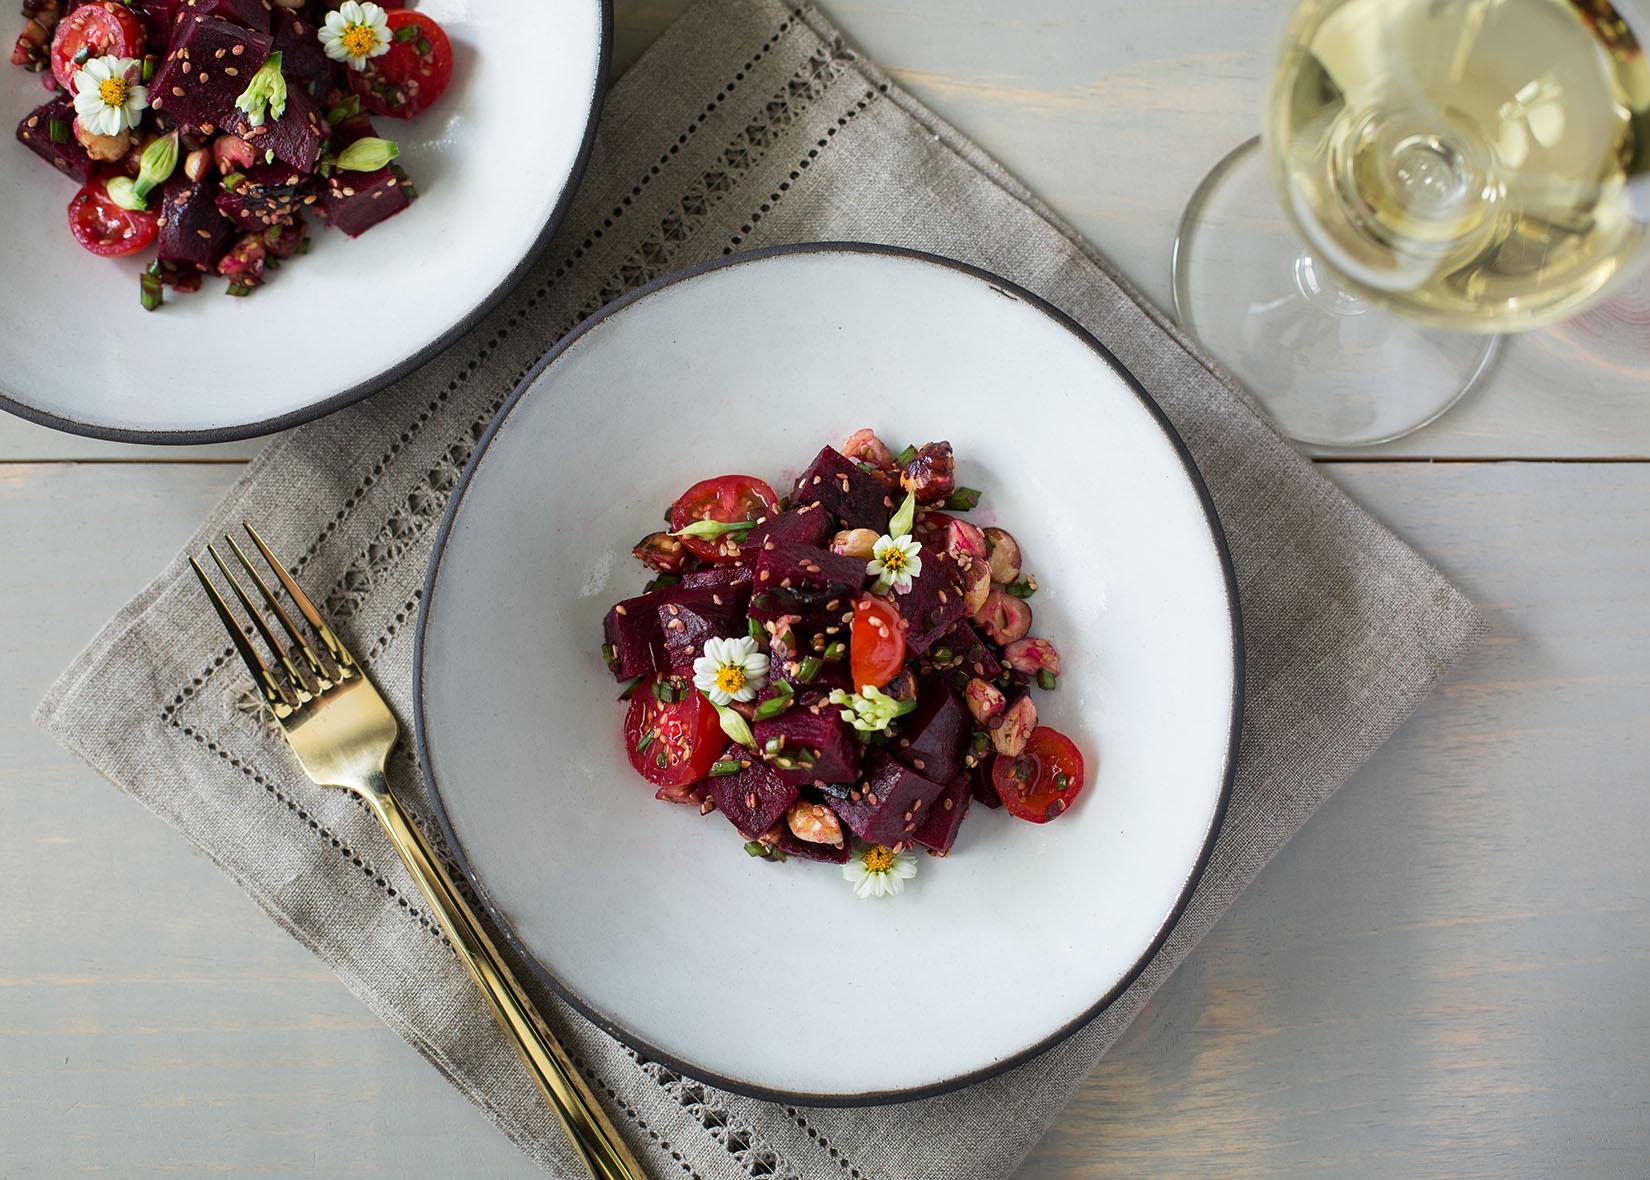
[[1018, 720], [1005, 555], [1004, 617], [1032, 656], [984, 700]]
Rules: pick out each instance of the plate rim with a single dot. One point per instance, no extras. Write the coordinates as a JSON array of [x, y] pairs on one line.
[[14, 404], [1235, 716]]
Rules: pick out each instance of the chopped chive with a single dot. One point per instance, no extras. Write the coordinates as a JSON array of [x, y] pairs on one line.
[[233, 181], [758, 632], [660, 760], [661, 690], [610, 654], [723, 767], [404, 33], [237, 290], [58, 130], [757, 848], [1061, 782], [809, 669], [630, 689], [148, 67], [775, 705], [1021, 589], [905, 456], [646, 740], [303, 246], [422, 44], [149, 289], [963, 499], [1045, 679], [661, 582], [835, 651]]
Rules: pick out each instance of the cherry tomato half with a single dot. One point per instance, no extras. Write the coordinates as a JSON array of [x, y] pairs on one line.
[[672, 743], [876, 645], [1042, 780], [410, 75], [102, 29], [728, 499], [102, 226]]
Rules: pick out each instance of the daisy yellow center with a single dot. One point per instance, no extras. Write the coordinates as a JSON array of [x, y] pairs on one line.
[[894, 559], [730, 678], [877, 859], [359, 40], [113, 91]]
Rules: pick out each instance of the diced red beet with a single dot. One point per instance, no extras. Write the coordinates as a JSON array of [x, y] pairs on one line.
[[719, 576], [254, 14], [299, 44], [932, 738], [295, 137], [934, 603], [692, 615], [889, 803], [813, 725], [980, 784], [210, 65], [807, 525], [192, 231], [632, 629], [270, 195], [158, 18], [843, 488], [788, 565], [68, 157], [939, 831], [752, 799], [354, 202], [835, 854]]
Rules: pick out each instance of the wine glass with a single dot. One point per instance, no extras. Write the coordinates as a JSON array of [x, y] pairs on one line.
[[1449, 170]]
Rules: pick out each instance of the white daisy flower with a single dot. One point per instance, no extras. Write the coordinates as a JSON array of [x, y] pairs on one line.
[[878, 871], [356, 32], [109, 96], [895, 561], [730, 670]]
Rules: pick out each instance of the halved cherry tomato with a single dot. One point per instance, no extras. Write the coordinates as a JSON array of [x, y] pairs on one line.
[[101, 29], [728, 499], [1042, 780], [102, 226], [876, 645], [672, 742], [410, 75]]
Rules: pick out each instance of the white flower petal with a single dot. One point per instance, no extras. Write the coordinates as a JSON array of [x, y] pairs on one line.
[[351, 13], [86, 100]]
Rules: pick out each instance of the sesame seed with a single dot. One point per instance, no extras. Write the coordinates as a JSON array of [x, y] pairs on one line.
[[620, 609], [231, 70]]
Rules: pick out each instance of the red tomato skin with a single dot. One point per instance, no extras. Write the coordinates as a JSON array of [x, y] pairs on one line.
[[726, 498], [103, 227], [1037, 799], [688, 734], [876, 644], [107, 28], [401, 82]]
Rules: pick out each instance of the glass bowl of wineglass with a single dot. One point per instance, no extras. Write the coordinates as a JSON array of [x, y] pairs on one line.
[[1449, 171]]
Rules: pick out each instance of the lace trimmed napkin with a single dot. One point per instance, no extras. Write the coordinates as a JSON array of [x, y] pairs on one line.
[[748, 123]]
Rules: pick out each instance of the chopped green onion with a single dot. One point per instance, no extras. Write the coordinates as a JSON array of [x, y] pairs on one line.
[[1021, 589], [303, 246], [809, 669], [663, 581], [344, 110], [775, 705], [835, 651], [757, 848], [661, 760], [610, 654], [237, 289], [233, 181], [148, 67], [149, 287], [1061, 782], [905, 456], [1045, 679], [963, 499], [630, 689], [58, 130], [405, 33], [647, 740], [423, 45], [758, 632], [723, 767]]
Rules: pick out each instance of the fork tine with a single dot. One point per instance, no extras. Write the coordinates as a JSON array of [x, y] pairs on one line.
[[323, 675], [274, 645], [279, 698], [346, 663]]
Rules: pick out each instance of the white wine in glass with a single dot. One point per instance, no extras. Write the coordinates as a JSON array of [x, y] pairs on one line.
[[1475, 166]]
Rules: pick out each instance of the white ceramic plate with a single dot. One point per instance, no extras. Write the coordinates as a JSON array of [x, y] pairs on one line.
[[80, 354], [774, 979]]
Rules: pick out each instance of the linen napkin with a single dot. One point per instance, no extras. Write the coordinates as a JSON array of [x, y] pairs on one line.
[[748, 123]]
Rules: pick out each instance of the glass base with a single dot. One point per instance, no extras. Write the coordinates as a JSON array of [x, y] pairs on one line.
[[1327, 366]]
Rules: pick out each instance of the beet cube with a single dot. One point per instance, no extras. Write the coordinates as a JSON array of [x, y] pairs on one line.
[[298, 43], [967, 646], [719, 577], [846, 491], [934, 603], [980, 784], [889, 803], [295, 138], [638, 641], [835, 854], [691, 616], [933, 737], [192, 231], [813, 739], [68, 157], [807, 525], [210, 65], [788, 565], [753, 799], [254, 14], [939, 831], [271, 194], [357, 201]]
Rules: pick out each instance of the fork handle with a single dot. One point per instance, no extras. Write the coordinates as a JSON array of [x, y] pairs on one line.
[[587, 1125]]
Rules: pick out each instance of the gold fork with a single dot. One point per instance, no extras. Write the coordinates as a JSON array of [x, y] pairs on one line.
[[342, 731]]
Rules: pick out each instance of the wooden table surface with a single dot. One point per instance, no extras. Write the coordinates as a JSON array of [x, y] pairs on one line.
[[1444, 975]]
